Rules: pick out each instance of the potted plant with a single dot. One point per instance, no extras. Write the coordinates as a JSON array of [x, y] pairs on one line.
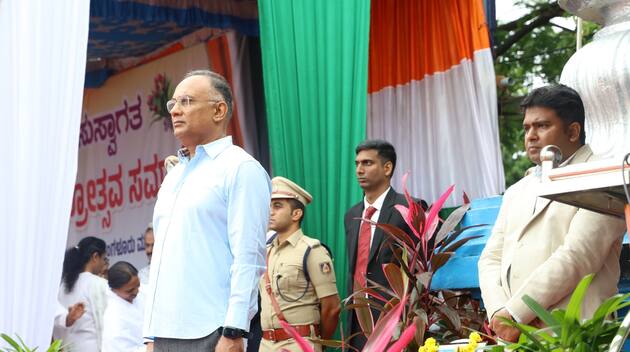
[[565, 330]]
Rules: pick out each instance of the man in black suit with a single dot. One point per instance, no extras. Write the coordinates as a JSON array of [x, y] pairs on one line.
[[375, 163]]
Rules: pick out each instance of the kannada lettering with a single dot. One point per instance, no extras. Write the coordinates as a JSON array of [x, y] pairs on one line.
[[100, 196], [120, 246], [107, 126]]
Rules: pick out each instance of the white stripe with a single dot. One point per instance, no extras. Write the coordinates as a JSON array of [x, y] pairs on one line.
[[445, 130]]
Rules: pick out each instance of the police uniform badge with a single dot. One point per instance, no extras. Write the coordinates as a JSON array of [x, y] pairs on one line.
[[325, 268]]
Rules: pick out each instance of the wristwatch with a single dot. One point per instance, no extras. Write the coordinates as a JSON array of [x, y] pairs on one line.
[[234, 333]]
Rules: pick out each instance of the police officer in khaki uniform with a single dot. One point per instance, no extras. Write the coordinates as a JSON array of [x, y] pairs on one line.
[[299, 285]]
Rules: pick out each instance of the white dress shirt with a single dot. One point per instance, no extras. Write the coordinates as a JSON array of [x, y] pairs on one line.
[[378, 205], [210, 220]]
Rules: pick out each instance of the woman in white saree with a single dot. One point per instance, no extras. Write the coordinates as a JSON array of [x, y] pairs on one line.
[[124, 315]]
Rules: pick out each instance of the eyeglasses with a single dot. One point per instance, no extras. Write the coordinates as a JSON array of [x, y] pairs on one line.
[[185, 102]]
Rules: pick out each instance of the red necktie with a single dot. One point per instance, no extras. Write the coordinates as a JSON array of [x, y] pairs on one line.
[[363, 249]]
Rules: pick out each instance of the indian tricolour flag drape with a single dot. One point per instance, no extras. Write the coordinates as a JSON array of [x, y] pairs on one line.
[[432, 93], [428, 88]]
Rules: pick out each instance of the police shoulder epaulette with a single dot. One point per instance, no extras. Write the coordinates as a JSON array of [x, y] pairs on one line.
[[312, 243]]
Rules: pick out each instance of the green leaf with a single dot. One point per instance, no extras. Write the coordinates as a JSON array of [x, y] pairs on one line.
[[610, 306], [543, 314], [582, 347], [26, 349], [526, 332], [572, 315], [55, 346], [11, 342], [550, 339], [558, 314], [598, 324]]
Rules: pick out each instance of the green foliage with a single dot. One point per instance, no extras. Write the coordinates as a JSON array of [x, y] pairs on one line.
[[515, 160], [540, 54], [565, 330], [21, 346]]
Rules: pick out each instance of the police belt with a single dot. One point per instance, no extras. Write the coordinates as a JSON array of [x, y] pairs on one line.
[[276, 335], [281, 334]]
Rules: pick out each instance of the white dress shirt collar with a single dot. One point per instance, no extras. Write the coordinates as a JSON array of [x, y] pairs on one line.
[[378, 203], [211, 149]]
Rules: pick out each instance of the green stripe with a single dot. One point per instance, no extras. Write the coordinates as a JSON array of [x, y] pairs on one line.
[[315, 59]]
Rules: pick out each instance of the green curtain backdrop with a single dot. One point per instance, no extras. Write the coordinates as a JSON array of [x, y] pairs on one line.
[[315, 59]]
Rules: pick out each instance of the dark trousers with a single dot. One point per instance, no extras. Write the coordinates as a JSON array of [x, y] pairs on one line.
[[359, 340], [204, 344], [255, 332]]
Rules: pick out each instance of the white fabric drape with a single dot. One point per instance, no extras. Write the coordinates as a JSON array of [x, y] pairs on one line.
[[445, 131], [42, 70]]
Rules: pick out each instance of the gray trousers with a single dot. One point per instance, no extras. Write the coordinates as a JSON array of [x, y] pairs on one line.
[[204, 344]]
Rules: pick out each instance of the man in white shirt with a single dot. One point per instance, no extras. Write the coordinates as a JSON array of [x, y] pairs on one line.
[[209, 220], [149, 240]]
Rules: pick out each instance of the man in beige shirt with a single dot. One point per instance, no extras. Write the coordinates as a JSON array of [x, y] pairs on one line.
[[300, 280], [543, 248]]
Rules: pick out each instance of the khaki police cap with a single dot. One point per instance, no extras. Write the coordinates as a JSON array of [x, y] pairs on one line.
[[283, 188]]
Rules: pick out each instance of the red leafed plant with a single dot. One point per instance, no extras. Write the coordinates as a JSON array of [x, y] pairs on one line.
[[414, 311], [444, 315]]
